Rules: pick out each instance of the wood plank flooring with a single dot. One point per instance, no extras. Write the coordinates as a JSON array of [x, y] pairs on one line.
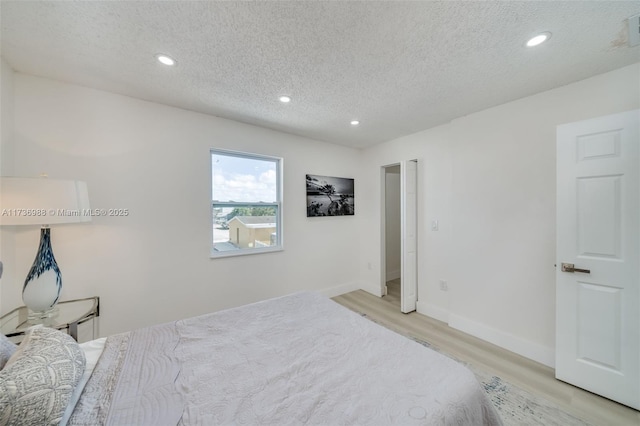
[[529, 375]]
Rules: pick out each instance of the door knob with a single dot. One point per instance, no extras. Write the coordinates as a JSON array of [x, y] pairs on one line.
[[570, 267]]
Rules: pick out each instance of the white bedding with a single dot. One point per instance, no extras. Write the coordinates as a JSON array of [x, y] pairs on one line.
[[92, 351], [299, 359]]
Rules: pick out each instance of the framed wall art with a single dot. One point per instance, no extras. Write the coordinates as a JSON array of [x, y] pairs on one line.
[[330, 196]]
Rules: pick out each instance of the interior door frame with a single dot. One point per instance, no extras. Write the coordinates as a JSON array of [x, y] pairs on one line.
[[383, 228], [383, 254]]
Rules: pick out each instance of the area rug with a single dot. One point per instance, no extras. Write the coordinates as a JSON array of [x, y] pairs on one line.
[[517, 407]]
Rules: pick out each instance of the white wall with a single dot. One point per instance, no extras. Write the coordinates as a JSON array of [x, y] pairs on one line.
[[154, 265], [7, 252], [489, 178], [6, 117]]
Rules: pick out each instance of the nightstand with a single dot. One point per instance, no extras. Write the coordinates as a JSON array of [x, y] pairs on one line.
[[67, 316]]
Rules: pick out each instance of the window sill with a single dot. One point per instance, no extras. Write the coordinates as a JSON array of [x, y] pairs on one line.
[[243, 252]]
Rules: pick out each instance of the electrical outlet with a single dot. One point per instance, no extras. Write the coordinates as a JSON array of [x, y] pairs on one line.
[[444, 286]]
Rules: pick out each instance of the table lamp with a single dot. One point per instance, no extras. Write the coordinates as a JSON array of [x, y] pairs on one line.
[[42, 201]]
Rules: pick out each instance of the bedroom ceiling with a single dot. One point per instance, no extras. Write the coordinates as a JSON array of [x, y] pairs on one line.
[[397, 67]]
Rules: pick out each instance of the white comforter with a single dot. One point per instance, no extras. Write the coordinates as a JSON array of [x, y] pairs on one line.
[[299, 359]]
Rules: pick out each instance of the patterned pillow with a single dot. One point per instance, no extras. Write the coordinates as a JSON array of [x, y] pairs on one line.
[[37, 382], [7, 348]]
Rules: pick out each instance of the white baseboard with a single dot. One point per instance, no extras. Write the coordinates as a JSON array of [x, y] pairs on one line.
[[527, 349], [371, 288], [393, 275], [432, 311], [510, 342], [340, 289]]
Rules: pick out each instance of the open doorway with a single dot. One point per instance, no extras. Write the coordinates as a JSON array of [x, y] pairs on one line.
[[399, 245], [392, 229]]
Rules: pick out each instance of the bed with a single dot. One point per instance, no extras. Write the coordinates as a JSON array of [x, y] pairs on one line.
[[297, 359]]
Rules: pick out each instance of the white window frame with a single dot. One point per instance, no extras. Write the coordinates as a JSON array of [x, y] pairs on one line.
[[279, 246]]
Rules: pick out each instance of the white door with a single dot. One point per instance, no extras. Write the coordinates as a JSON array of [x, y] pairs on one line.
[[409, 258], [598, 232]]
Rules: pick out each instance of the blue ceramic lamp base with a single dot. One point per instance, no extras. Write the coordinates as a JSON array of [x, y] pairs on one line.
[[43, 285]]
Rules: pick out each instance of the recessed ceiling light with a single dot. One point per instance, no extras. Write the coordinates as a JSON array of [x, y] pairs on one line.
[[539, 39], [354, 122], [284, 99], [166, 60]]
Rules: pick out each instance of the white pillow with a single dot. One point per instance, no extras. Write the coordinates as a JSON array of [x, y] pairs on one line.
[[7, 348], [92, 351], [39, 378]]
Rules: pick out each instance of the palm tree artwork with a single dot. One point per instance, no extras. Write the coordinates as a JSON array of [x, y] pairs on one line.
[[338, 191]]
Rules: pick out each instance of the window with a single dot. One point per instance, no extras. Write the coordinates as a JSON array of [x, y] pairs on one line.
[[246, 203]]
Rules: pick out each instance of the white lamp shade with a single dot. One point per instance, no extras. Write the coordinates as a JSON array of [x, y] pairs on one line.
[[43, 201]]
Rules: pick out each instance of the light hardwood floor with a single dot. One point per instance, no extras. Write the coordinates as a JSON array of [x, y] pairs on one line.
[[529, 375]]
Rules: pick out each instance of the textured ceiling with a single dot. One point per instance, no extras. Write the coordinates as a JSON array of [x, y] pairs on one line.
[[398, 67]]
